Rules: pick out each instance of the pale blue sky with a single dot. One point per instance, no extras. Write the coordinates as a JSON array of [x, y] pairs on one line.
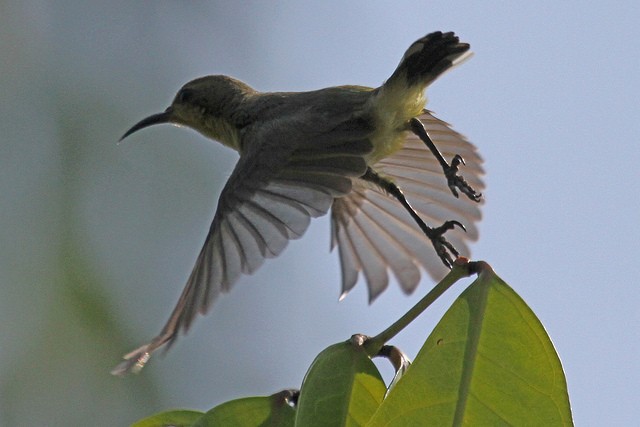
[[550, 98]]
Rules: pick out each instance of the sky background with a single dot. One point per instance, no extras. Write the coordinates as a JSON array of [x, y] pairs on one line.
[[97, 239]]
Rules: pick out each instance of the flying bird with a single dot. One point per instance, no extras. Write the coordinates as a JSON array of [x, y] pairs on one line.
[[374, 157]]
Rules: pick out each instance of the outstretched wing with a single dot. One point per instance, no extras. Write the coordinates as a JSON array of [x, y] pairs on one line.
[[374, 233], [274, 190]]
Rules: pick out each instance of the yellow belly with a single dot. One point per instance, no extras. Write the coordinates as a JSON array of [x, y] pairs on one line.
[[393, 107]]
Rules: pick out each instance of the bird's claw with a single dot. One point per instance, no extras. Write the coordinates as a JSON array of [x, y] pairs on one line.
[[457, 182], [457, 159], [445, 250], [449, 225]]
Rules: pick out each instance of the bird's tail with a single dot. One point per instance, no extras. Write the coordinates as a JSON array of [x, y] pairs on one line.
[[402, 96], [428, 58]]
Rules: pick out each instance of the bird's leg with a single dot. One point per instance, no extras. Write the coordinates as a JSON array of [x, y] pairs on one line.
[[450, 170], [443, 248]]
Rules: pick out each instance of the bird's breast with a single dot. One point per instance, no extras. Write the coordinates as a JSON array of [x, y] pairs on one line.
[[392, 108]]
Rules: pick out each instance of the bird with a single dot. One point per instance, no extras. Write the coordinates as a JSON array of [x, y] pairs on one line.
[[374, 158]]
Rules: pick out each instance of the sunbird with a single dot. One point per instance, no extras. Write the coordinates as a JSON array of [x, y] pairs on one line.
[[362, 153]]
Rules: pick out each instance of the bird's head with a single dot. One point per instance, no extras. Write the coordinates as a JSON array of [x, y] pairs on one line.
[[208, 105]]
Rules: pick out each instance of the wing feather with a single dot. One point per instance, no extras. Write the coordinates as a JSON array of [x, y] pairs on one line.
[[372, 261]]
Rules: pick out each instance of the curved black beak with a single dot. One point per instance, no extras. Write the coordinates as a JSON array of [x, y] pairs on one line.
[[155, 119]]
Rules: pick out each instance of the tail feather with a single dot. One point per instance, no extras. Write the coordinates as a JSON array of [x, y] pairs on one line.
[[428, 58]]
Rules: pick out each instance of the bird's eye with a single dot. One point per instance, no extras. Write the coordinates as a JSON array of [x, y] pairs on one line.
[[184, 95]]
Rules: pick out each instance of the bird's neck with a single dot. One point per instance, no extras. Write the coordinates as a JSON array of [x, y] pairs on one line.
[[222, 130]]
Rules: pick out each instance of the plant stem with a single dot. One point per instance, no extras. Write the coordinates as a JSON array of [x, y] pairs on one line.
[[461, 268]]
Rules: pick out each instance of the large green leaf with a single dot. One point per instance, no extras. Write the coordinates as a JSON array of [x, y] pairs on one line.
[[272, 411], [342, 388], [489, 361]]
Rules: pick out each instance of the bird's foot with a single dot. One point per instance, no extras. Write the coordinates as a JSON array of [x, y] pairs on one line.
[[457, 182], [445, 250]]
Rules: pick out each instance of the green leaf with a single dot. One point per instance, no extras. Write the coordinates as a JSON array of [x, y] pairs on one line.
[[272, 411], [178, 418], [342, 388], [489, 361]]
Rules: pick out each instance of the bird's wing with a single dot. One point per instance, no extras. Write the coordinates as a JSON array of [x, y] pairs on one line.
[[288, 172], [274, 190], [375, 234]]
